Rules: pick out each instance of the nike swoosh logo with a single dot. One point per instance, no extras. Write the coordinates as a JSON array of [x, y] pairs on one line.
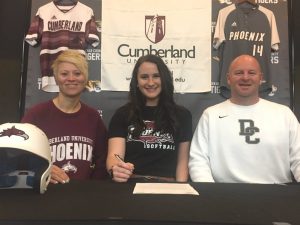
[[222, 116]]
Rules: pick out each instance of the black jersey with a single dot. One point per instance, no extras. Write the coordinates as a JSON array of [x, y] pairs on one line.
[[245, 29]]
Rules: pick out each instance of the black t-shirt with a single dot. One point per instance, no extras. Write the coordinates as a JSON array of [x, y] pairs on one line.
[[152, 153]]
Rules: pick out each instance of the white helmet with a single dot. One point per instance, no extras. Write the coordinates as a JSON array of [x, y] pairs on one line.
[[25, 158]]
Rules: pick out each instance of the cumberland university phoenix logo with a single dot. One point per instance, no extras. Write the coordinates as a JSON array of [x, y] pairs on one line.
[[152, 139], [13, 131], [155, 27]]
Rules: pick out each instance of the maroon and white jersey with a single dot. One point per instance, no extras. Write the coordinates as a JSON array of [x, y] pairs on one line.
[[58, 28], [245, 29], [78, 141]]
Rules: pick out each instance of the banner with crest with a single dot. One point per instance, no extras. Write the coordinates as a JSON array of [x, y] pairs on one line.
[[166, 28], [163, 26]]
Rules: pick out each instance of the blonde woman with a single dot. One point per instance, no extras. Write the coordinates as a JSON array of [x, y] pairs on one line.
[[76, 132]]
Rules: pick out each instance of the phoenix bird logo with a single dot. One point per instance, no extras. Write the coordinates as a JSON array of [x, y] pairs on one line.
[[13, 131], [68, 167], [148, 137]]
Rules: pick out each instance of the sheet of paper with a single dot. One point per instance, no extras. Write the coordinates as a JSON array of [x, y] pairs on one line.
[[164, 188]]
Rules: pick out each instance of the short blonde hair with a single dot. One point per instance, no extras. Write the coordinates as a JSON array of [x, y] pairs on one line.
[[74, 57]]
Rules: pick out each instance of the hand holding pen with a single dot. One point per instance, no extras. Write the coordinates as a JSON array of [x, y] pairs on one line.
[[121, 171], [144, 177]]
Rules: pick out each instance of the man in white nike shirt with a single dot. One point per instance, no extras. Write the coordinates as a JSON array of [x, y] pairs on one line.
[[246, 139]]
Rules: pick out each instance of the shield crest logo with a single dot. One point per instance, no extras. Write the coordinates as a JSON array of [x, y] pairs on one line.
[[155, 27]]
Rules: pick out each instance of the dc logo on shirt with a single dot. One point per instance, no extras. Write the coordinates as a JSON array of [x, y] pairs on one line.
[[248, 129]]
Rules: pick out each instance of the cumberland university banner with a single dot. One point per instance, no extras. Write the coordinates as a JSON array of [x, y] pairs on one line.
[[179, 33]]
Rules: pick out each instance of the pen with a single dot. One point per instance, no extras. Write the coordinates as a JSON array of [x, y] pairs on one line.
[[119, 158]]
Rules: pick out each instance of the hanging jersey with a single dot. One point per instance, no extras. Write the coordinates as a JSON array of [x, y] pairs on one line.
[[245, 29], [58, 28]]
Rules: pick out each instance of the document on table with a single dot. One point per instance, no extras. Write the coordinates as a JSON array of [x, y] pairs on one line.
[[164, 188]]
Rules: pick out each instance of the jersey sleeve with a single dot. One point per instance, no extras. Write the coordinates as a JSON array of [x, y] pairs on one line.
[[35, 31], [219, 35], [275, 40], [275, 37], [91, 32]]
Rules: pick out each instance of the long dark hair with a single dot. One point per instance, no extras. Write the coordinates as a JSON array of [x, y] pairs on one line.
[[165, 115]]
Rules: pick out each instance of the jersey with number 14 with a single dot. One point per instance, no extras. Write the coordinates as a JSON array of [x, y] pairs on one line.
[[245, 29]]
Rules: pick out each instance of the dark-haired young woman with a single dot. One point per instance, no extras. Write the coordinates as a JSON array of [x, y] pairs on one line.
[[149, 137]]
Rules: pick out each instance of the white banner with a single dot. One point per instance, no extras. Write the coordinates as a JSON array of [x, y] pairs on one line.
[[179, 33]]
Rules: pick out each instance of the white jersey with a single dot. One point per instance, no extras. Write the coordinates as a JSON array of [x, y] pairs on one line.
[[252, 144], [58, 28]]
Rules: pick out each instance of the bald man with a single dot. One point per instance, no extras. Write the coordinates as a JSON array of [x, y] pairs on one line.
[[246, 139]]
